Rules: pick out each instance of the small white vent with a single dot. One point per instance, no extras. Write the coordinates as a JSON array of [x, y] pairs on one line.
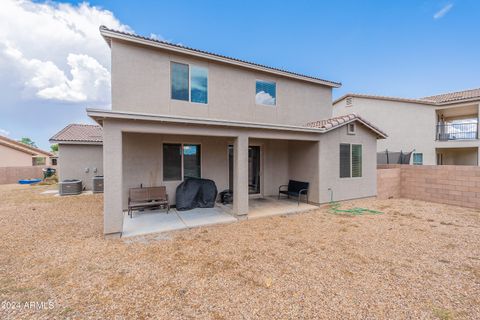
[[349, 101]]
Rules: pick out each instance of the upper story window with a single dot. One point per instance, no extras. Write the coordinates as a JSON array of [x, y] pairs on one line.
[[265, 92], [189, 83], [418, 158]]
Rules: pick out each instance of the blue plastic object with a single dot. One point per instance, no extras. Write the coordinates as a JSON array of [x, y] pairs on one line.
[[29, 181]]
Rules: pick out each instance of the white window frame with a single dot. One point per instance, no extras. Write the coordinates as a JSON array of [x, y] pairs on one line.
[[351, 160], [189, 82], [262, 104], [182, 144]]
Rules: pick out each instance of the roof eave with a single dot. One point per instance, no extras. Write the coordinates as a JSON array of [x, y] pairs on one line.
[[108, 34]]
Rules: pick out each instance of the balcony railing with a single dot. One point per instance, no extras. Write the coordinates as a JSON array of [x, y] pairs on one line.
[[457, 131]]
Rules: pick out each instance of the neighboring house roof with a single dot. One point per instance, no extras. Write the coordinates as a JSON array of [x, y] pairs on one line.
[[79, 133], [333, 123], [441, 99], [455, 96], [110, 33], [23, 147]]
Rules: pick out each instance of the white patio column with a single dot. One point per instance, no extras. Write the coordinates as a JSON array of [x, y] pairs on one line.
[[112, 170], [240, 176]]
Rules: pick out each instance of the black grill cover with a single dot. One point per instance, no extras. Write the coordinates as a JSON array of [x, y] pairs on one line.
[[195, 193]]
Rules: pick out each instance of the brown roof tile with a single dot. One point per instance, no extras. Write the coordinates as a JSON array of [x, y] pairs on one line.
[[79, 133], [455, 96], [333, 123]]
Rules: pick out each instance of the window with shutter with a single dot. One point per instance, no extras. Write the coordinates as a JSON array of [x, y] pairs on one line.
[[345, 160]]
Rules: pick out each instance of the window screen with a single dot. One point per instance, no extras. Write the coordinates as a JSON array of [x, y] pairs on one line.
[[344, 160], [191, 161], [265, 92], [199, 83], [172, 162], [179, 74], [356, 160]]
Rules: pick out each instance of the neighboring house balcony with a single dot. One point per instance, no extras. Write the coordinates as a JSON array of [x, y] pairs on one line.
[[460, 130]]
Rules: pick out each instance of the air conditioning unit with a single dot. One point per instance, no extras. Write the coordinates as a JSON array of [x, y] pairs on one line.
[[70, 187], [97, 184]]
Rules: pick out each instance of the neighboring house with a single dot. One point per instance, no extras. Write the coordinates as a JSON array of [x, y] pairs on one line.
[[442, 129], [179, 112], [80, 153], [17, 154]]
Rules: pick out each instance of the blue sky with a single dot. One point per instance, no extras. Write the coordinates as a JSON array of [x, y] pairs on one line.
[[398, 48]]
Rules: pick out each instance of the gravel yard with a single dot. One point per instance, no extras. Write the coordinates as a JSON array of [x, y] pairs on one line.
[[417, 260]]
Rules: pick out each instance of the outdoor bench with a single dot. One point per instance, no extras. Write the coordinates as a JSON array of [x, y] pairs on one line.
[[295, 189], [147, 197]]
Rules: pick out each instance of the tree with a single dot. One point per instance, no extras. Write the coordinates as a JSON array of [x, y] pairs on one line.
[[54, 147], [28, 142]]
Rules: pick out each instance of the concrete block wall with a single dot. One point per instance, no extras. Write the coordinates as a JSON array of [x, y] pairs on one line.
[[388, 183], [455, 185], [10, 175]]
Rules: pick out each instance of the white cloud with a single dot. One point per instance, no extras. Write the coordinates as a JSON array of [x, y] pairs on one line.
[[442, 12], [264, 98], [4, 132], [55, 51]]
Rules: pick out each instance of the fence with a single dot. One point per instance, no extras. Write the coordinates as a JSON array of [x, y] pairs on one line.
[[455, 185], [13, 174]]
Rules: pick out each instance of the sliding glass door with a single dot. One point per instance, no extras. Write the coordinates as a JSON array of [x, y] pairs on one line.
[[254, 163]]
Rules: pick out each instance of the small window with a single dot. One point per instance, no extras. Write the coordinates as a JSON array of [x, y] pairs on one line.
[[418, 158], [265, 93], [189, 83], [172, 162], [39, 161], [351, 128], [54, 161], [180, 81], [350, 160], [191, 161]]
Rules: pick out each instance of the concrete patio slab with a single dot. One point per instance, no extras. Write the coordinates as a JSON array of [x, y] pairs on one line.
[[151, 222], [205, 216]]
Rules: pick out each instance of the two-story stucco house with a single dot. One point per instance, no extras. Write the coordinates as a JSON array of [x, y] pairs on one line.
[[179, 112], [440, 129]]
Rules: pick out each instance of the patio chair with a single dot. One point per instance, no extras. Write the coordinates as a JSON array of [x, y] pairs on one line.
[[295, 189], [149, 197]]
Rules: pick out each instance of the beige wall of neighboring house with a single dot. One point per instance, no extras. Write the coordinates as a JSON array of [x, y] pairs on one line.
[[80, 161], [231, 90], [411, 124], [14, 158]]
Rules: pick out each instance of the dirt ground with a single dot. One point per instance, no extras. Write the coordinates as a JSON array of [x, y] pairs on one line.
[[417, 260]]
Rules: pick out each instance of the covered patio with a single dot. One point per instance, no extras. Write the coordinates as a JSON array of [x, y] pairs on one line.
[[155, 221], [252, 160]]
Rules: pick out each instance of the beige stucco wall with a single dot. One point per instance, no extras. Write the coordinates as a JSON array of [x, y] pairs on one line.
[[409, 125], [74, 159], [303, 165], [347, 188], [13, 158], [141, 83]]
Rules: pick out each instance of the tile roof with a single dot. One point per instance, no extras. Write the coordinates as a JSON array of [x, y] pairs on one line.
[[23, 147], [455, 96], [84, 133], [446, 98], [171, 45], [336, 122]]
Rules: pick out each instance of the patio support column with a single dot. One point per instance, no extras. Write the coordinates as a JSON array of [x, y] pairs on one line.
[[240, 176], [112, 169]]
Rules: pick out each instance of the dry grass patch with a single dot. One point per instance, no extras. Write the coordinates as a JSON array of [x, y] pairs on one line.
[[313, 265]]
